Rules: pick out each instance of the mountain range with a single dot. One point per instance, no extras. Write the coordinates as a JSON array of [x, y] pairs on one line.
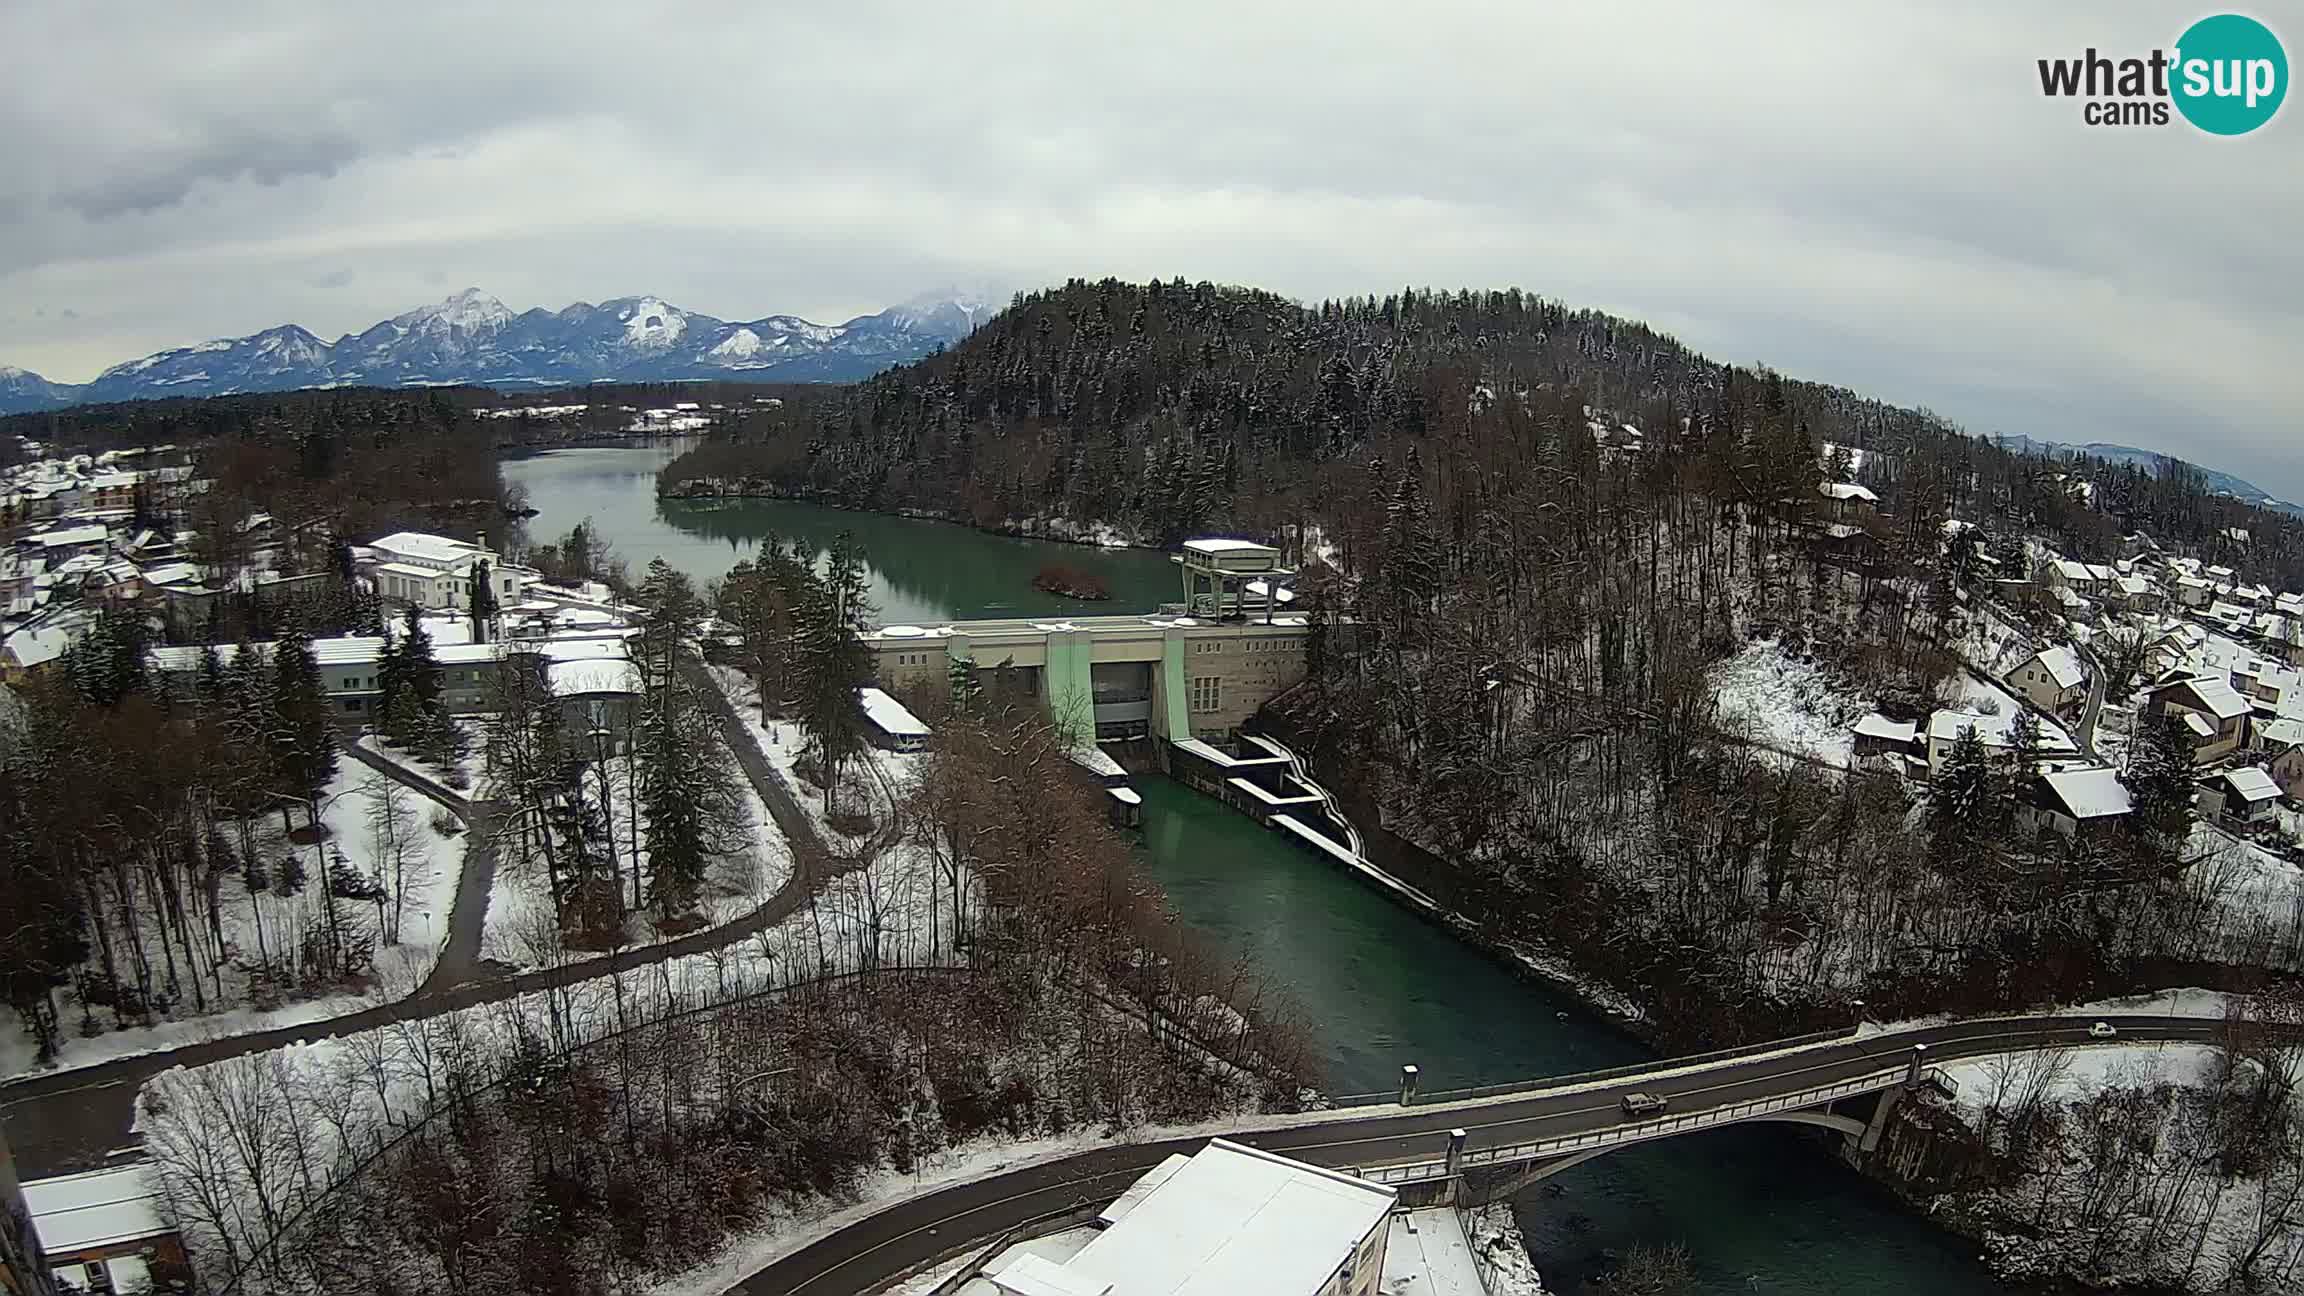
[[472, 338], [2239, 488]]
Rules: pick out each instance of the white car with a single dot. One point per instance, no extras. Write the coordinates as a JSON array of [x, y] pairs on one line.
[[2102, 1030]]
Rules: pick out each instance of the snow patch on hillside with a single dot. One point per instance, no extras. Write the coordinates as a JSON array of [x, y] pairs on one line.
[[1779, 701]]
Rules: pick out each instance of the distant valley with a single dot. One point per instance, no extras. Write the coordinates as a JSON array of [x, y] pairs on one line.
[[472, 338]]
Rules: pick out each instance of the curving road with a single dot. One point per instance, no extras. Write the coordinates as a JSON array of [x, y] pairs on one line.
[[60, 1121], [913, 1231]]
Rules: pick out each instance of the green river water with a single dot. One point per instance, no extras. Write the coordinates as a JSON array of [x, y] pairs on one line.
[[1760, 1210]]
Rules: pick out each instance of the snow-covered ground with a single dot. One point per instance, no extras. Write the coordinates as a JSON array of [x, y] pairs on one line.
[[523, 928], [255, 926], [2076, 1074], [1783, 702], [1056, 1248]]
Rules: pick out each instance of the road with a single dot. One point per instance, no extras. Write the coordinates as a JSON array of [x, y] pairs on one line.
[[2085, 734], [60, 1121], [468, 912], [910, 1232]]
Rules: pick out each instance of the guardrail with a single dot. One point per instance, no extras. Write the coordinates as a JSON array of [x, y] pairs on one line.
[[1544, 1083], [1633, 1131]]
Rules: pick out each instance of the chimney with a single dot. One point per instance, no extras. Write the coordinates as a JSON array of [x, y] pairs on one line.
[[482, 540]]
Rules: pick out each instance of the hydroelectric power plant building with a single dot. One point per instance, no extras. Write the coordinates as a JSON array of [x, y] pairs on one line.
[[1196, 669]]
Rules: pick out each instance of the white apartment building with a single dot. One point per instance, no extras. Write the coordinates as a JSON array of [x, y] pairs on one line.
[[436, 572]]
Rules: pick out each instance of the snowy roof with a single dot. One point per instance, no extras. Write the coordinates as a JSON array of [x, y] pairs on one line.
[[2252, 783], [2094, 793], [1226, 546], [891, 716], [2063, 666], [1026, 1274], [465, 654], [2284, 732], [173, 574], [1847, 491], [33, 647], [2215, 695], [1992, 731], [96, 1208], [2199, 726], [592, 647], [430, 548], [1877, 725], [2073, 571], [579, 678], [1232, 1220], [79, 535]]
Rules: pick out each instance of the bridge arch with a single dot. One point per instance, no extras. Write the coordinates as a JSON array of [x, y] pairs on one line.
[[1489, 1182]]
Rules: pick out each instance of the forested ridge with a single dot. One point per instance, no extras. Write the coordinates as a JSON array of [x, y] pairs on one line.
[[1168, 408], [1535, 597]]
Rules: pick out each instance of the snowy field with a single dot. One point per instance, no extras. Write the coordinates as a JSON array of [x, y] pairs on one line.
[[255, 924], [1782, 702]]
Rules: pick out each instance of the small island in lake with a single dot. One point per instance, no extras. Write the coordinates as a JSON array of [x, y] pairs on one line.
[[1071, 582]]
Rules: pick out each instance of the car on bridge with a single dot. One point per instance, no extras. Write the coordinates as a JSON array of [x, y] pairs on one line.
[[1638, 1105]]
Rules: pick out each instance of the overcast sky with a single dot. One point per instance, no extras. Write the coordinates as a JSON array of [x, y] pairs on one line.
[[1868, 194]]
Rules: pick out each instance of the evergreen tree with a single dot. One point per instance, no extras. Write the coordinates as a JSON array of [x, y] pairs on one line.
[[302, 740], [686, 787], [2023, 746], [483, 602], [2160, 776], [1968, 806]]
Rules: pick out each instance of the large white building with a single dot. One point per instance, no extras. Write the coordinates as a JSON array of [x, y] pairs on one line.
[[437, 572], [1227, 1221]]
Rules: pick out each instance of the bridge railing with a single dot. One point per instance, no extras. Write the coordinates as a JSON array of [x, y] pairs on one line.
[[1590, 1077], [1633, 1131]]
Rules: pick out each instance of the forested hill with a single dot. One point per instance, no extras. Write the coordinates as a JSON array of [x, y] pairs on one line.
[[1166, 408]]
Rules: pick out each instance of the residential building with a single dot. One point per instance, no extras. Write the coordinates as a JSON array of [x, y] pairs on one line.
[[1848, 502], [106, 1230], [2211, 710], [2246, 795], [436, 572], [2076, 802], [2282, 743], [2053, 680], [1945, 728], [23, 1269], [1228, 1220]]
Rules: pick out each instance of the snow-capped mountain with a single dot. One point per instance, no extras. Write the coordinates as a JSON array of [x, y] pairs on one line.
[[474, 338], [22, 389]]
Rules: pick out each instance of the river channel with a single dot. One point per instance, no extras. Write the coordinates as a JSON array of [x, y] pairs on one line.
[[1759, 1210]]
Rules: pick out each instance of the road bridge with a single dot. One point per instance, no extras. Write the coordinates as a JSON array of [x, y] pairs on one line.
[[1469, 1148]]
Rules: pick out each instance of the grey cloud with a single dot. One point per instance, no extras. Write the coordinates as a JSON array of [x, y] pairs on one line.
[[227, 155], [1874, 195]]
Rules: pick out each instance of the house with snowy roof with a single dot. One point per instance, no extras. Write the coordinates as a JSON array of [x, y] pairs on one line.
[[1946, 726], [1848, 502], [2053, 680], [2214, 715], [106, 1230], [2075, 802], [2281, 742], [2246, 795], [435, 571]]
